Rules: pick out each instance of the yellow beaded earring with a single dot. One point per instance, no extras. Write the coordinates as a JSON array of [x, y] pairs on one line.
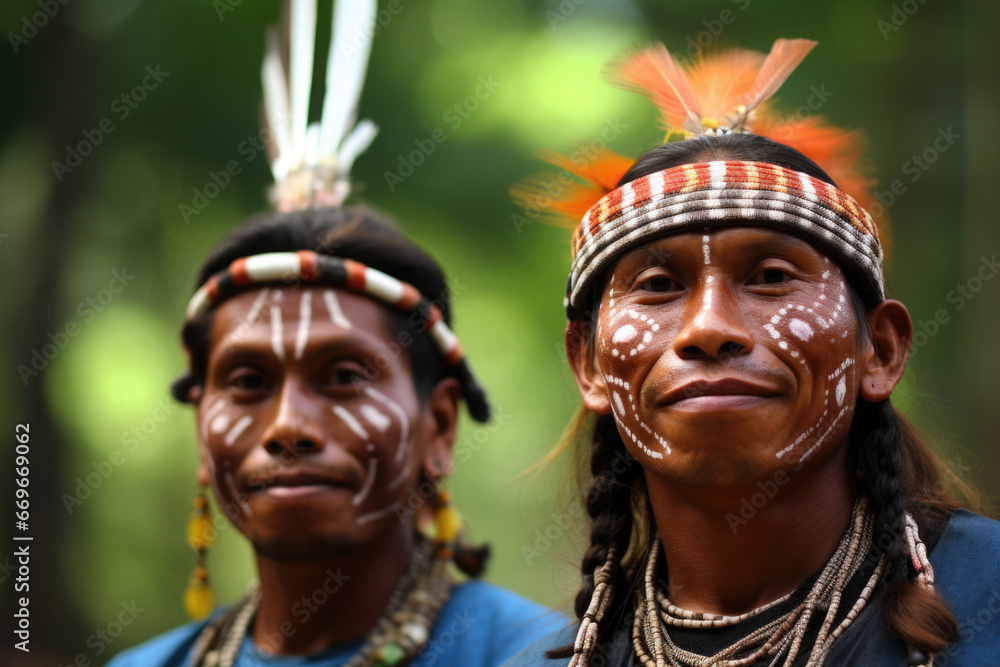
[[200, 533]]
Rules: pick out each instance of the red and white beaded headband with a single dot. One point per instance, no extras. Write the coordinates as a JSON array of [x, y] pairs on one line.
[[307, 267], [726, 193]]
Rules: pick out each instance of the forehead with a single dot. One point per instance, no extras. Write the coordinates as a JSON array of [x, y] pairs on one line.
[[257, 316], [737, 242]]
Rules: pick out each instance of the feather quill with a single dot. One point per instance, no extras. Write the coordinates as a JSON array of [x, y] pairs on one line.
[[350, 48], [302, 45], [276, 106], [654, 73], [785, 56]]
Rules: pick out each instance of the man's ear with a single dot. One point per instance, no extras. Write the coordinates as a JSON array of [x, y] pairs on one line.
[[884, 359], [589, 379], [440, 418]]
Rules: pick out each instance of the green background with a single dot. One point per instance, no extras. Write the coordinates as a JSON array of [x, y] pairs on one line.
[[926, 68]]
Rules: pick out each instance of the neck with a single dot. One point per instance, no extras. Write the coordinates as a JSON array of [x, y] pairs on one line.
[[309, 605], [726, 555]]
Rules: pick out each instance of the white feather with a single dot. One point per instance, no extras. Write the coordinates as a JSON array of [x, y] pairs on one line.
[[276, 104], [354, 144], [350, 47], [312, 152], [303, 45]]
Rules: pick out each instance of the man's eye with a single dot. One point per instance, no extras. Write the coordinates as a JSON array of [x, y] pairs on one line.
[[659, 284], [770, 277], [347, 376], [248, 381]]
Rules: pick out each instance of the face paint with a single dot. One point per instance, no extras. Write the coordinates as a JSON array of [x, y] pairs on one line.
[[305, 319], [375, 417], [719, 349], [314, 450], [333, 308], [351, 421]]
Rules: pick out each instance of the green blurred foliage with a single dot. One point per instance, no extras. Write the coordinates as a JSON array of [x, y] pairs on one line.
[[542, 60]]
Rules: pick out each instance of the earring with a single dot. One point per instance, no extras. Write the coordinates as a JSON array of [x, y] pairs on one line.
[[449, 538], [200, 533]]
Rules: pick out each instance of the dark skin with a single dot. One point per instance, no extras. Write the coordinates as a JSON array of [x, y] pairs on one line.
[[748, 365], [307, 456]]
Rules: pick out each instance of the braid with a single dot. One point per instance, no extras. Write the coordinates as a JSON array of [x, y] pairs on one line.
[[915, 614], [609, 505]]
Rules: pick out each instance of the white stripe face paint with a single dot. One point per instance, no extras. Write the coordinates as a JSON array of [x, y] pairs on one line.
[[305, 320], [277, 333], [366, 488], [333, 308], [351, 421], [404, 422], [378, 419], [257, 305], [219, 424], [376, 515], [237, 430]]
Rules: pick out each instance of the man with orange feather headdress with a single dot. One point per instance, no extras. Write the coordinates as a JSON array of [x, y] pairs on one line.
[[755, 497]]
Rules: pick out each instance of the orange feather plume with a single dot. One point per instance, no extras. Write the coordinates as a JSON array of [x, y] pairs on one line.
[[724, 90], [562, 200]]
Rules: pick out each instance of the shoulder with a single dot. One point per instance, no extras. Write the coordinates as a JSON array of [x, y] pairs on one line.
[[533, 655], [484, 624], [967, 574], [166, 650]]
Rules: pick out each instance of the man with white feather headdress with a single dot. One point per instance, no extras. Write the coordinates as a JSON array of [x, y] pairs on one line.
[[327, 383]]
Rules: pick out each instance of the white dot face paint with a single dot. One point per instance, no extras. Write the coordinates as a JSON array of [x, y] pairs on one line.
[[624, 334], [841, 391], [800, 329]]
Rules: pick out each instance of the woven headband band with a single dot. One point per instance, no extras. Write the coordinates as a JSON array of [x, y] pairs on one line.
[[726, 193], [309, 267]]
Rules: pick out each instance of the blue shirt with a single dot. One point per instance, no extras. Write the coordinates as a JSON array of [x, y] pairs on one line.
[[480, 625], [966, 563]]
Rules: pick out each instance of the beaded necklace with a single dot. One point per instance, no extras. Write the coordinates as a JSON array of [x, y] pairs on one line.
[[780, 640], [398, 635]]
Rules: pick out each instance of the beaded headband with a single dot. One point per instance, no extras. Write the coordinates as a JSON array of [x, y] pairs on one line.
[[311, 164], [308, 267], [726, 193], [721, 93]]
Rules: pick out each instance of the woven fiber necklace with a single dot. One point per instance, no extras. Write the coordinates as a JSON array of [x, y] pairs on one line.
[[778, 641], [399, 633]]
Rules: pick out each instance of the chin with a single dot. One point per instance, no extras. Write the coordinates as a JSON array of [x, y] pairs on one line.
[[701, 466], [304, 546]]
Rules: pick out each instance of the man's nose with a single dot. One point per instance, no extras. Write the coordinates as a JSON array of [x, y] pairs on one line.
[[714, 326], [295, 428]]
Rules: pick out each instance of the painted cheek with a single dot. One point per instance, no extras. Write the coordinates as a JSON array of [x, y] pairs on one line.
[[633, 338]]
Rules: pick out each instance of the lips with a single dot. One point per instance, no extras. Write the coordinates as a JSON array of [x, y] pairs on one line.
[[286, 482], [718, 394]]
